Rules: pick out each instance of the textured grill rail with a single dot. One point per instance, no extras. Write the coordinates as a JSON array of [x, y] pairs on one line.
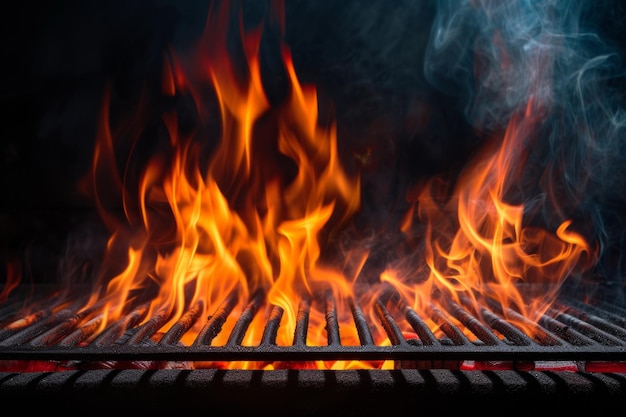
[[570, 331]]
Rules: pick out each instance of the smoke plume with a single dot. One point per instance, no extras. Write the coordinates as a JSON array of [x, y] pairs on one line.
[[564, 58]]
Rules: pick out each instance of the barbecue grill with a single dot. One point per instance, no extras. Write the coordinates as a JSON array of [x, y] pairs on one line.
[[571, 331], [576, 360], [465, 352]]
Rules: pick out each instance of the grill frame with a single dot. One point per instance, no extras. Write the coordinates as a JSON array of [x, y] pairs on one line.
[[313, 392], [404, 351], [571, 331]]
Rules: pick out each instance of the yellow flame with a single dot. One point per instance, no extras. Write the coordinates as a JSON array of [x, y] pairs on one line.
[[258, 213], [251, 219], [477, 245]]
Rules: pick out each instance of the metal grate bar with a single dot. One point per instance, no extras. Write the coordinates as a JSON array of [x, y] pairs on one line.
[[423, 331], [393, 331], [332, 323], [607, 314], [179, 328], [83, 332], [474, 325], [595, 321], [563, 333], [117, 329], [586, 329], [149, 328], [509, 331], [215, 323], [271, 327], [403, 351], [541, 335], [302, 322], [453, 332], [59, 331], [365, 335], [14, 316], [26, 334], [239, 331]]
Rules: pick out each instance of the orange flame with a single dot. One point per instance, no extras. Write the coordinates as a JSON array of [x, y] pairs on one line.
[[13, 279], [257, 212], [477, 246], [255, 218]]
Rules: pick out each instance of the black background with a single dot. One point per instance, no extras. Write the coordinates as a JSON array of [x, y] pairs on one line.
[[366, 58]]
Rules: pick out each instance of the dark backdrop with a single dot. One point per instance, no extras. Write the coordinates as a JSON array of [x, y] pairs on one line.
[[366, 58]]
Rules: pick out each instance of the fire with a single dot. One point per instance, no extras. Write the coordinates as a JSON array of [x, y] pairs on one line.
[[237, 212], [13, 278], [477, 246], [254, 218]]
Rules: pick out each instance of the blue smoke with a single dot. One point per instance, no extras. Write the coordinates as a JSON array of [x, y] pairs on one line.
[[496, 55]]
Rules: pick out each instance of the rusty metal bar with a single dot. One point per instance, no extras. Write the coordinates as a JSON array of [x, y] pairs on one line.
[[117, 329], [332, 323], [389, 324], [214, 325], [365, 335], [83, 332], [511, 332], [179, 328], [474, 325], [423, 331], [148, 328], [28, 333], [568, 333], [302, 322], [565, 332], [586, 328], [453, 332], [540, 334], [239, 331], [271, 327], [599, 322], [51, 336]]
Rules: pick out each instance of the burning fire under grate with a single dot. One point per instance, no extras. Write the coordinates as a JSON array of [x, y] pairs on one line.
[[571, 336], [270, 215]]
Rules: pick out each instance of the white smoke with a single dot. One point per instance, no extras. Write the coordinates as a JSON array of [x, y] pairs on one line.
[[496, 56]]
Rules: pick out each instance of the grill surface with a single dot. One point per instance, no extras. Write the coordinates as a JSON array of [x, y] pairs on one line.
[[591, 334], [570, 331]]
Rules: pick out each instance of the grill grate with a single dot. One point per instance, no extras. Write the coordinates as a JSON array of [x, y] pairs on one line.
[[570, 331]]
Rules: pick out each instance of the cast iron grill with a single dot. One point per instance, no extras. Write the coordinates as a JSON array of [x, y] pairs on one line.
[[569, 331]]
